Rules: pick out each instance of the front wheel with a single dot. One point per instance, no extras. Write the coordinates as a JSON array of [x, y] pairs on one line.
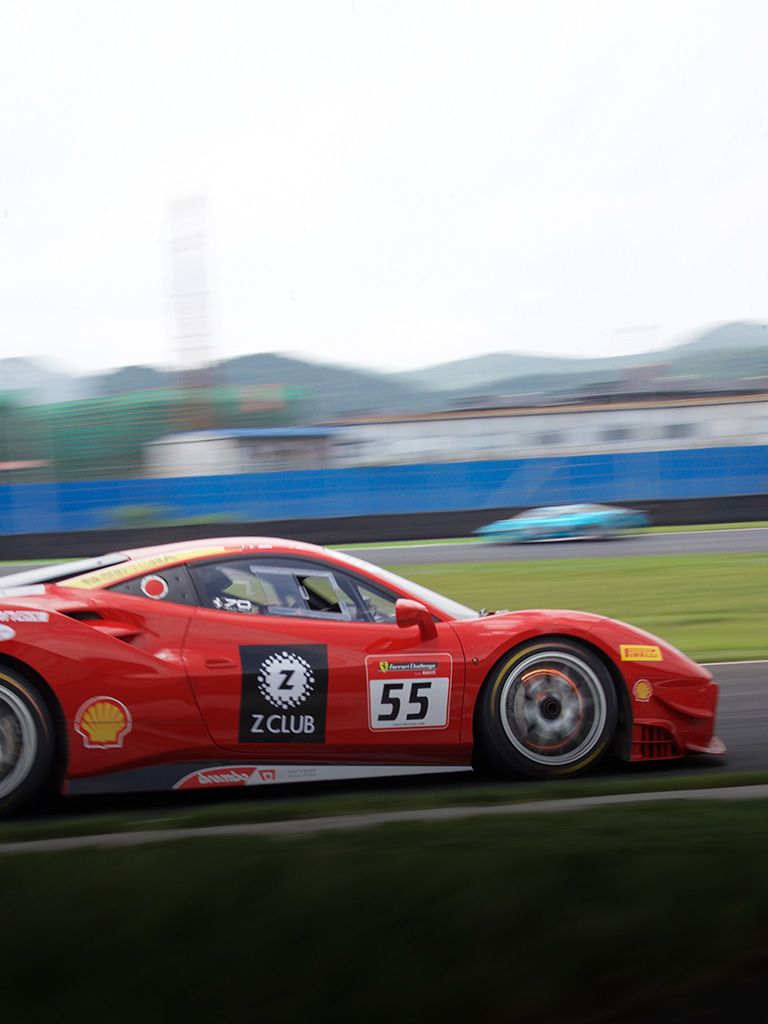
[[548, 709], [26, 740]]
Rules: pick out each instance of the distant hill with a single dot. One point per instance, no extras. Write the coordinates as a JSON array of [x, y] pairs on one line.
[[331, 390], [736, 335], [481, 371], [719, 364], [328, 391], [36, 382], [130, 378], [728, 355], [725, 353]]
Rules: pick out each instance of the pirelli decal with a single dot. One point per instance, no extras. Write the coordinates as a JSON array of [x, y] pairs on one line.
[[640, 652], [139, 567]]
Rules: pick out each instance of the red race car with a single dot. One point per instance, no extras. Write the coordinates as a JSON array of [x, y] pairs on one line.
[[249, 661]]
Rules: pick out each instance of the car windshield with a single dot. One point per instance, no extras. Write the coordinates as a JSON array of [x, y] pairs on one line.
[[452, 609], [60, 571]]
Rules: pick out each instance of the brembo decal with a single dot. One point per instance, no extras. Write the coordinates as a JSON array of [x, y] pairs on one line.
[[226, 775], [219, 776], [284, 693]]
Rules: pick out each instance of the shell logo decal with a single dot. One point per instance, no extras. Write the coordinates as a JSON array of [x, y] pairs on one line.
[[643, 691], [103, 722]]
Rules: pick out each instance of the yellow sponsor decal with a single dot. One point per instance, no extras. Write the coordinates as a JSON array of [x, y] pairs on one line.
[[640, 652], [643, 691], [383, 666], [139, 567], [103, 722]]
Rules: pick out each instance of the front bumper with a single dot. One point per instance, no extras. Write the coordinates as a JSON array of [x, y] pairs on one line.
[[677, 720]]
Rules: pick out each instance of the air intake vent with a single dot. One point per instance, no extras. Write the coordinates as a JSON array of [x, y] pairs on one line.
[[652, 743]]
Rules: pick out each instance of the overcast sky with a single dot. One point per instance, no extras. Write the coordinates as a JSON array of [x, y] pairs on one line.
[[389, 184]]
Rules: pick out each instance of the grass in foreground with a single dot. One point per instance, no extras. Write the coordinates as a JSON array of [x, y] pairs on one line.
[[528, 919], [714, 607], [231, 808]]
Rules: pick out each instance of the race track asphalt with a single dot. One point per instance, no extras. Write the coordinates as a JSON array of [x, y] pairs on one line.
[[743, 540], [742, 718], [747, 540]]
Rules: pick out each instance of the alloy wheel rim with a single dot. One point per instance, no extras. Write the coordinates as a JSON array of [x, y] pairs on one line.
[[18, 741], [553, 708]]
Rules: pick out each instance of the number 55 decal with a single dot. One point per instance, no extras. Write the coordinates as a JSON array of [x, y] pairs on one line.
[[406, 701]]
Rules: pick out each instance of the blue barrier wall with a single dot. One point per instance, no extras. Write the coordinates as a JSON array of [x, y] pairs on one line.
[[382, 490]]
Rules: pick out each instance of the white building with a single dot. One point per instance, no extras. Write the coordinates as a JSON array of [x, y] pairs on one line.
[[257, 450], [639, 424], [600, 426]]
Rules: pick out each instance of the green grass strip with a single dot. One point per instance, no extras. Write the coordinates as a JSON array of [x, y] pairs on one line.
[[714, 607], [257, 807], [527, 919], [706, 527]]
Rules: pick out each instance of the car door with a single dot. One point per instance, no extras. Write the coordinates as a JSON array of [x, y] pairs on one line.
[[294, 660]]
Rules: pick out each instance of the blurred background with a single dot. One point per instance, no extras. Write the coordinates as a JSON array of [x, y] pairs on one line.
[[277, 263], [266, 437], [369, 270]]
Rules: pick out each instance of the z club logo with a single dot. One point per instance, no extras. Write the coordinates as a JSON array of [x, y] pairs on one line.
[[286, 680], [284, 694]]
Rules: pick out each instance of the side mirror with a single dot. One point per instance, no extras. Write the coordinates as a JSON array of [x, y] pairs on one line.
[[411, 613]]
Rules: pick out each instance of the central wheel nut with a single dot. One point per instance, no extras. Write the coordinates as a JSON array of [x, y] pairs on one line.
[[550, 708]]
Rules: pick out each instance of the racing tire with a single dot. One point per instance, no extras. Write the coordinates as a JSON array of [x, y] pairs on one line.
[[26, 740], [549, 709]]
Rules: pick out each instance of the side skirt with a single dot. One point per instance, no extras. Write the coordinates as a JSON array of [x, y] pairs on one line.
[[214, 775]]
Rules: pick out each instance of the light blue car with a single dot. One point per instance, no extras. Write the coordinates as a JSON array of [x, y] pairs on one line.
[[564, 522]]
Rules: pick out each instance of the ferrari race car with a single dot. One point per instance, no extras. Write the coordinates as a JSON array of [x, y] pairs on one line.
[[246, 662], [564, 522]]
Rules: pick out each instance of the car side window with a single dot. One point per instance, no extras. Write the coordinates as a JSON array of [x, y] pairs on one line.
[[254, 587], [379, 607], [174, 585]]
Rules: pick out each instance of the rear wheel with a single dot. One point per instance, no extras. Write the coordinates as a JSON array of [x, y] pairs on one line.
[[549, 709], [26, 740]]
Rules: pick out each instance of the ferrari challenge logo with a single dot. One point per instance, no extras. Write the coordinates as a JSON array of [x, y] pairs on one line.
[[639, 652], [103, 722], [383, 666]]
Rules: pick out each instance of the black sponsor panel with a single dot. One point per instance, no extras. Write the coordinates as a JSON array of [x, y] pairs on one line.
[[284, 693]]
